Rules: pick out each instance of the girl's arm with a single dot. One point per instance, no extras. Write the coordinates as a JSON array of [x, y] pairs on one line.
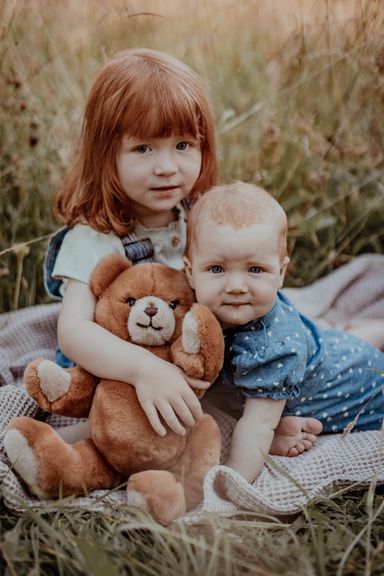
[[161, 387], [253, 435]]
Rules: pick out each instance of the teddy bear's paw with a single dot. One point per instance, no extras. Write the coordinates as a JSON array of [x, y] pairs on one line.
[[53, 468], [22, 457], [157, 492], [190, 337], [46, 382], [137, 500], [54, 380]]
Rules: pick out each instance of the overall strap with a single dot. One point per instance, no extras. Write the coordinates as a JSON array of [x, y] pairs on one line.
[[138, 251], [52, 285]]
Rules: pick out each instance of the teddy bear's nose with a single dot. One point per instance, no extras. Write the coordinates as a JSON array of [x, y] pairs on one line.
[[151, 310]]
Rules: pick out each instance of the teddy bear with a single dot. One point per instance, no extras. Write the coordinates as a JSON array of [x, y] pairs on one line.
[[153, 306]]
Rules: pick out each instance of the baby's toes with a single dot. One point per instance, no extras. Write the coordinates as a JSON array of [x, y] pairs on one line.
[[309, 438], [307, 444], [312, 426], [300, 447], [292, 452]]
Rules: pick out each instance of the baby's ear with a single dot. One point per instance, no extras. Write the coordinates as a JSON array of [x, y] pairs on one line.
[[188, 271], [106, 271]]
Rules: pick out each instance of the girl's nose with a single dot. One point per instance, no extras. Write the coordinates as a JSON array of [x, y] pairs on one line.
[[165, 165]]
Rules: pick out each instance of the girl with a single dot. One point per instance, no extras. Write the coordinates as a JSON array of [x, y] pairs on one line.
[[147, 149]]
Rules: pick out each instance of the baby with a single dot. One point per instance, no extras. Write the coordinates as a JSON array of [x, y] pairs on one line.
[[277, 362]]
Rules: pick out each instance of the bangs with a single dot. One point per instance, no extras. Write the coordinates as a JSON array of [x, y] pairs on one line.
[[160, 110]]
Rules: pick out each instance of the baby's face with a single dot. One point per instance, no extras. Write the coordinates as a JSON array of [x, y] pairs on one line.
[[236, 272]]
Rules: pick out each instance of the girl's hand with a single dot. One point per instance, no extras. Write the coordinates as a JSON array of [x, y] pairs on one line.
[[164, 390]]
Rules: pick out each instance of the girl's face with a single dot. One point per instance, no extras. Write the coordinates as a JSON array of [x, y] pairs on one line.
[[156, 174]]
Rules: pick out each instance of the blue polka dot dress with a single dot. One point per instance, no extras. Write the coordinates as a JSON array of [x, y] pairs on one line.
[[326, 374]]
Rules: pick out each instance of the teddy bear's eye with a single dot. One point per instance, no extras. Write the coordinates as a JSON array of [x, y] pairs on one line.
[[131, 301], [174, 303]]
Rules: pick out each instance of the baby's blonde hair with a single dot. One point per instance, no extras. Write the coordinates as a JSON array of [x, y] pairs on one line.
[[238, 205]]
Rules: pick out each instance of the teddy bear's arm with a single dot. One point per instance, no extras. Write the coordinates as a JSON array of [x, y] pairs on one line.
[[199, 351], [62, 391]]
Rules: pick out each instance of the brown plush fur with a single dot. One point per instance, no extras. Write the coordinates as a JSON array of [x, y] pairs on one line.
[[165, 474]]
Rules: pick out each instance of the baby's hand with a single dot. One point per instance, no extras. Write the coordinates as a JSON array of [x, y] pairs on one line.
[[162, 390]]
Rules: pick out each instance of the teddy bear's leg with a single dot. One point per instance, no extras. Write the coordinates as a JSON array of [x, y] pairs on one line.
[[50, 467], [63, 391], [168, 494], [157, 492], [201, 453]]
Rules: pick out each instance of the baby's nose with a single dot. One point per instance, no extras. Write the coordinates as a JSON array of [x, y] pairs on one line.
[[237, 284]]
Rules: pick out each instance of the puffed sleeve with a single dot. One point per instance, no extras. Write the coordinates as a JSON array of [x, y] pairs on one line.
[[82, 248], [268, 369]]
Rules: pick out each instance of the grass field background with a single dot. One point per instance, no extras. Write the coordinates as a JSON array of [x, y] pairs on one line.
[[298, 91]]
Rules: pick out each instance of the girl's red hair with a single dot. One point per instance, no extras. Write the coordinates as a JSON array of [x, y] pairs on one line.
[[141, 93]]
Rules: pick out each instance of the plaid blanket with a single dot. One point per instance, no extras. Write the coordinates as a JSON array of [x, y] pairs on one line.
[[353, 292]]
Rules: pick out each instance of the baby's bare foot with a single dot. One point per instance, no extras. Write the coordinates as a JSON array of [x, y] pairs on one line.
[[294, 435]]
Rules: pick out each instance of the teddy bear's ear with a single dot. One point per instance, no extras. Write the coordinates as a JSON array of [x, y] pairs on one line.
[[107, 270]]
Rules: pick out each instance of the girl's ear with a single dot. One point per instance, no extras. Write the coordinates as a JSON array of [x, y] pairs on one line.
[[188, 271], [283, 270]]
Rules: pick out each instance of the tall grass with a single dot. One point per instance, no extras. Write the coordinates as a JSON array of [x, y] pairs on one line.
[[341, 537], [297, 88]]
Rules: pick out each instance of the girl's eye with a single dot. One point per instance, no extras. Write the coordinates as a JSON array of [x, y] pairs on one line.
[[182, 145], [141, 148], [216, 269], [174, 303], [131, 301], [255, 270]]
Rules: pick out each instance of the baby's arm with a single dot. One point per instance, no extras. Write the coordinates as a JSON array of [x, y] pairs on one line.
[[253, 435], [160, 386]]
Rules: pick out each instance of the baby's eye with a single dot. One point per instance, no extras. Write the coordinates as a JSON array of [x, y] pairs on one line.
[[255, 270], [216, 269], [142, 148]]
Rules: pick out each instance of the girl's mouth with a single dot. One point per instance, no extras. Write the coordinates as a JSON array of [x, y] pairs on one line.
[[164, 188], [164, 191]]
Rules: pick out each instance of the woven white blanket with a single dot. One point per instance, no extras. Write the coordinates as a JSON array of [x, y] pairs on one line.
[[354, 291]]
